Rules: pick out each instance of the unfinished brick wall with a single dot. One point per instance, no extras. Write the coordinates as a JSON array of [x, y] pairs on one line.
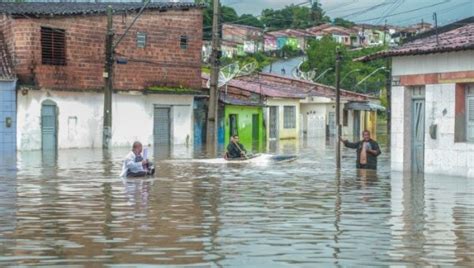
[[162, 62]]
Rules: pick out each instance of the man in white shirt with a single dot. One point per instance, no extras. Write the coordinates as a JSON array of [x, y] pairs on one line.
[[134, 165]]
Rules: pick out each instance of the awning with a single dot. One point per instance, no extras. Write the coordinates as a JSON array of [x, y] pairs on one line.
[[363, 106]]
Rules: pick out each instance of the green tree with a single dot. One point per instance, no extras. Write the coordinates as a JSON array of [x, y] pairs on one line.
[[322, 56], [294, 16], [251, 20], [343, 23]]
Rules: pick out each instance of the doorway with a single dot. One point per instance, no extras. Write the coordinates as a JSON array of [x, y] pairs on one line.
[[49, 126]]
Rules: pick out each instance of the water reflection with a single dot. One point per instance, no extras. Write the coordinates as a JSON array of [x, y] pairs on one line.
[[73, 209]]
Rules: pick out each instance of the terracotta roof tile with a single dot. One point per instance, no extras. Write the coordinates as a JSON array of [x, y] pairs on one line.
[[69, 8], [457, 39]]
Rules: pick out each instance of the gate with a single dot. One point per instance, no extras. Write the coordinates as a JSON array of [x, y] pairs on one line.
[[418, 135], [273, 122], [49, 126], [255, 132], [162, 126]]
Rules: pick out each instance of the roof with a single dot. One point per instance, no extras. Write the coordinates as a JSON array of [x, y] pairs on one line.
[[6, 70], [242, 26], [363, 106], [290, 33], [452, 39], [67, 9], [277, 86]]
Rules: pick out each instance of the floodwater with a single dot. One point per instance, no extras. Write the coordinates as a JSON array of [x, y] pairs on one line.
[[72, 209]]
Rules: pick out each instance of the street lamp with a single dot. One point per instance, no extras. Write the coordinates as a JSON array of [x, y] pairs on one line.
[[322, 74], [345, 76], [367, 77]]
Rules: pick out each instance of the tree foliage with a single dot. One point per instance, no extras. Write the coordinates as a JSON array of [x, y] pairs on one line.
[[294, 16], [321, 57], [343, 23]]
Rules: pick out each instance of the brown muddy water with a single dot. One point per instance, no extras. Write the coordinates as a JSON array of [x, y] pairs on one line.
[[72, 209]]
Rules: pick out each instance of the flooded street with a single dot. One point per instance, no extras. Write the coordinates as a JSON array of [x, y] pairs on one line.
[[73, 209]]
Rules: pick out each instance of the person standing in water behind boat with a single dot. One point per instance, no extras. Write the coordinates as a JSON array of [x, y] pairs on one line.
[[235, 149], [134, 165], [367, 151]]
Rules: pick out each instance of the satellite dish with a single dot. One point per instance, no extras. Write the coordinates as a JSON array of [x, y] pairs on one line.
[[231, 71]]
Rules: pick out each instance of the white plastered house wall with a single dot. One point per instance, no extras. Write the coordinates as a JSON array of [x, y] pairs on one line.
[[80, 118], [283, 133], [442, 155]]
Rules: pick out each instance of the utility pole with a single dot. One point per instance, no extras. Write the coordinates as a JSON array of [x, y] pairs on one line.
[[385, 33], [109, 65], [388, 88], [338, 108], [435, 17], [212, 113]]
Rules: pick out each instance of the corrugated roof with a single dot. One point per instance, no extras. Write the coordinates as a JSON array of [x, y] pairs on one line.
[[63, 9], [457, 39], [6, 69]]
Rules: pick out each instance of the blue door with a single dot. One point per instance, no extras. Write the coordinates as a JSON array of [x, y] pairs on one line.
[[49, 128]]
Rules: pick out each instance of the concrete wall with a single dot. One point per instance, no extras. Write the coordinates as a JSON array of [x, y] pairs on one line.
[[433, 63], [80, 118], [442, 155], [284, 133]]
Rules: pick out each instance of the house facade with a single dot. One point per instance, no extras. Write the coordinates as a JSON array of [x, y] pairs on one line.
[[58, 56], [433, 102], [250, 38]]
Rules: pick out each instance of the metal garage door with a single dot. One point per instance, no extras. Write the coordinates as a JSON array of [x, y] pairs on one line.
[[161, 125]]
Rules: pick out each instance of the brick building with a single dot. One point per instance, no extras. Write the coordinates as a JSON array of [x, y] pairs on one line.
[[58, 54], [433, 101]]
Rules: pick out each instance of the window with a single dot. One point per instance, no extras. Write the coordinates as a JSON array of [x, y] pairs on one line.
[[183, 42], [345, 116], [289, 117], [141, 40], [53, 46], [464, 113], [470, 114]]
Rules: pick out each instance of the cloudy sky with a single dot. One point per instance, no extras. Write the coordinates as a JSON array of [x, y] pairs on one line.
[[401, 12]]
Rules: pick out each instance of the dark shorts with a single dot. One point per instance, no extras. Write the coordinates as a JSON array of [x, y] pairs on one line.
[[361, 166]]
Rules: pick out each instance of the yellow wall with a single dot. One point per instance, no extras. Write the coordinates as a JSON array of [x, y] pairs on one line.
[[283, 133]]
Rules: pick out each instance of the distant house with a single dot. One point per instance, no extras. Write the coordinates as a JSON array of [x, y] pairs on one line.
[[58, 54], [433, 101], [294, 38], [317, 113], [251, 39], [339, 34]]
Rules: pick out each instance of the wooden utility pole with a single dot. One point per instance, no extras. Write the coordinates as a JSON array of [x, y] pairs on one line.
[[212, 112], [338, 108], [109, 65], [388, 88]]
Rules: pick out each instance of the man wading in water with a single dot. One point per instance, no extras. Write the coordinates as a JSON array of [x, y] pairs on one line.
[[235, 149], [134, 165], [367, 151]]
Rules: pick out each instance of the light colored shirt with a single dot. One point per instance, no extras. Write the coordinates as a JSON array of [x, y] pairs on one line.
[[129, 164]]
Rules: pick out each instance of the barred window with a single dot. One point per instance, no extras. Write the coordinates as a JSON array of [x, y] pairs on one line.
[[53, 46], [183, 42], [289, 117], [141, 40]]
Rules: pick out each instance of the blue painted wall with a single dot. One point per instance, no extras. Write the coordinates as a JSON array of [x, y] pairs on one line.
[[7, 112]]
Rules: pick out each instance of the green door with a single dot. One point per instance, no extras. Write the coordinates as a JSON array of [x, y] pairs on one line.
[[255, 132], [234, 125], [49, 129]]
